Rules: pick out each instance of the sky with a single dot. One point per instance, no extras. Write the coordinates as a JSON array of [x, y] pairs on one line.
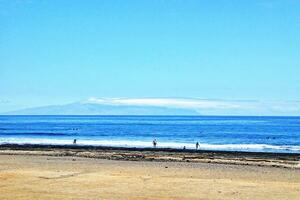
[[59, 52]]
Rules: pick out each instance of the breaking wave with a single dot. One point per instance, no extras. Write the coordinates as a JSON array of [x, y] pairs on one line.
[[145, 144]]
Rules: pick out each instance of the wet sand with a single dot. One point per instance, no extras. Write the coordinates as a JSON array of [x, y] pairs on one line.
[[282, 160], [55, 174]]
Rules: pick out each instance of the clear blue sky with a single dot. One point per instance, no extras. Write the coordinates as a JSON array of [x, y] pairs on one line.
[[56, 52]]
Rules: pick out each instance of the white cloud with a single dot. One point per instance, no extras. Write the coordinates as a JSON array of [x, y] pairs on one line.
[[166, 102], [209, 107]]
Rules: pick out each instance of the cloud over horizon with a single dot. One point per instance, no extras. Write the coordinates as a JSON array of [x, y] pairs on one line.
[[166, 106], [165, 102], [209, 107]]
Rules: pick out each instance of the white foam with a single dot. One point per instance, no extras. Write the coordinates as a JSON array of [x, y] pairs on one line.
[[130, 143]]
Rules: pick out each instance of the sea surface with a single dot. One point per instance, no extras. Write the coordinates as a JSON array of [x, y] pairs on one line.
[[255, 134]]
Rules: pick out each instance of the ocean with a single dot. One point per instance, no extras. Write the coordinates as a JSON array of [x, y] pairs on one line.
[[252, 134]]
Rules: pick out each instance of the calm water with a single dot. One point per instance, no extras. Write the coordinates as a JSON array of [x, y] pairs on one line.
[[267, 134]]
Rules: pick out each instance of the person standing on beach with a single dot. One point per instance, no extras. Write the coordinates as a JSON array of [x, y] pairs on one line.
[[74, 141], [154, 143], [197, 145]]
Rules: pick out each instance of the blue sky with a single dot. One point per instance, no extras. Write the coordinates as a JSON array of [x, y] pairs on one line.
[[57, 52]]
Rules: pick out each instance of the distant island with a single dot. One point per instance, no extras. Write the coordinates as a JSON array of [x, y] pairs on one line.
[[101, 109]]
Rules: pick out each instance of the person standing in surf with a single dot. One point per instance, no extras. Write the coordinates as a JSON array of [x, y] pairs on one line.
[[197, 145], [154, 143]]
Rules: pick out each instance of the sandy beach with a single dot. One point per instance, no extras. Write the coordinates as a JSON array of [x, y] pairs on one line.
[[39, 174]]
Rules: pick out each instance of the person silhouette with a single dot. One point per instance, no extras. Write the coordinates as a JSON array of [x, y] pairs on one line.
[[154, 143], [197, 145], [74, 141]]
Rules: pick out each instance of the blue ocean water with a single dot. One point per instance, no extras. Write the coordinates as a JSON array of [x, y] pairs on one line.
[[259, 134]]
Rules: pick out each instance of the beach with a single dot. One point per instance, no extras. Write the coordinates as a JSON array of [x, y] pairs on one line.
[[55, 172]]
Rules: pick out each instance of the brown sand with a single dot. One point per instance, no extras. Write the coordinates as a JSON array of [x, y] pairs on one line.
[[51, 177]]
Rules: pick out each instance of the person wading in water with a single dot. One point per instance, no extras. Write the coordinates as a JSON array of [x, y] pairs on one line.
[[154, 143]]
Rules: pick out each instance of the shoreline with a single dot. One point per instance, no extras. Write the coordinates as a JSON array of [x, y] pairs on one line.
[[267, 159]]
